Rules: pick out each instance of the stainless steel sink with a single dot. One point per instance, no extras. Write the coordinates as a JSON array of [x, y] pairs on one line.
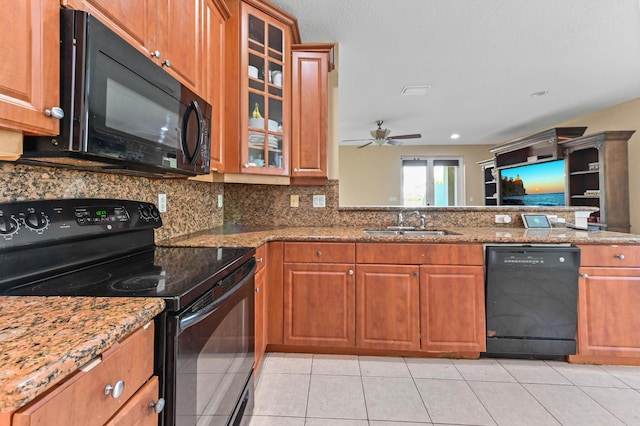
[[408, 232]]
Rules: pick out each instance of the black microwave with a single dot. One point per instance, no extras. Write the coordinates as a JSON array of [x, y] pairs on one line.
[[122, 113]]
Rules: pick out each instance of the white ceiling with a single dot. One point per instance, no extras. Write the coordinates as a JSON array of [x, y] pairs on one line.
[[482, 59]]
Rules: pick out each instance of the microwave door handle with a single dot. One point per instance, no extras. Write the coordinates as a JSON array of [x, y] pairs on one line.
[[191, 158]]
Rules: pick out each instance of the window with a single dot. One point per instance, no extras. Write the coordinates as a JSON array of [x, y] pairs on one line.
[[431, 181]]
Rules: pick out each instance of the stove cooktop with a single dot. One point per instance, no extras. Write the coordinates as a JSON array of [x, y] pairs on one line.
[[177, 274]]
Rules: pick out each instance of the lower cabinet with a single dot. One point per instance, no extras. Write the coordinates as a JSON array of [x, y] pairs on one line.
[[116, 388], [387, 307], [608, 300], [318, 304], [608, 320], [319, 294], [452, 314], [362, 296], [260, 291]]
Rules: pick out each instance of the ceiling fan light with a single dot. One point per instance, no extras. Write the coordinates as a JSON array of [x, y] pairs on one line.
[[379, 142]]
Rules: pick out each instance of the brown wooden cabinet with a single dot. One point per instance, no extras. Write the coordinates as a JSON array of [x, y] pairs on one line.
[[30, 32], [598, 176], [404, 297], [452, 314], [260, 312], [169, 32], [387, 307], [319, 295], [82, 398], [451, 291], [258, 86], [215, 15], [608, 300], [311, 64]]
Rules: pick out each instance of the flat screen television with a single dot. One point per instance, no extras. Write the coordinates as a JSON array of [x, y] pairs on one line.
[[537, 184]]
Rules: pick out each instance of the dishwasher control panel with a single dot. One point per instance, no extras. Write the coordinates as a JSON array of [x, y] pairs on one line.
[[547, 256]]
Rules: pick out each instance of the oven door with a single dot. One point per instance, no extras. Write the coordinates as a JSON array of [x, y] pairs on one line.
[[210, 355]]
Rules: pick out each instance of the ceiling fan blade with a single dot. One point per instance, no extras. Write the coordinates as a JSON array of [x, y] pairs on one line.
[[366, 144], [413, 136], [393, 142], [354, 140]]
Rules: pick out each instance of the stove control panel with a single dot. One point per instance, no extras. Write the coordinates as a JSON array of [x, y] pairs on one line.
[[43, 221]]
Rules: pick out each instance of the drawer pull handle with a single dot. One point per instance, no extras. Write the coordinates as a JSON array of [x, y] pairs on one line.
[[115, 390], [259, 260], [257, 289], [620, 256], [157, 406], [319, 253], [585, 276]]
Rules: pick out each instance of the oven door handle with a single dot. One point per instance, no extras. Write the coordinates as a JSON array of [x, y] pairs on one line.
[[195, 317]]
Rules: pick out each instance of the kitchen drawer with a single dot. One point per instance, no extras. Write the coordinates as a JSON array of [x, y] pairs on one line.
[[138, 410], [420, 254], [81, 399], [320, 252], [261, 257], [624, 256]]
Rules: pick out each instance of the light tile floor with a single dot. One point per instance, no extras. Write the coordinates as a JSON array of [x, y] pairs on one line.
[[339, 390]]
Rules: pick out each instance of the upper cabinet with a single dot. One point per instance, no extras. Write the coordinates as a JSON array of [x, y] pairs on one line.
[[31, 75], [169, 32], [215, 15], [311, 64], [258, 87]]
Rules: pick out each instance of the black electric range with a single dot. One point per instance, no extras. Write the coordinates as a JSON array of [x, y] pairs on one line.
[[105, 248]]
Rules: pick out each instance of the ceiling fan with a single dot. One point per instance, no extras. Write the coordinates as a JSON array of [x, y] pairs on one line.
[[381, 137]]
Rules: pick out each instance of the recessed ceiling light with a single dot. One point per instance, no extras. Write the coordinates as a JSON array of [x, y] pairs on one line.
[[455, 136], [415, 90], [540, 93]]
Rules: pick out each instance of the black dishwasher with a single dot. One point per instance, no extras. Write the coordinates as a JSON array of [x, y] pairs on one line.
[[531, 300]]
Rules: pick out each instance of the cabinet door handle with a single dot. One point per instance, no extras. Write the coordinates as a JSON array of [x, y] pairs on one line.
[[157, 406], [295, 170], [585, 276], [115, 390], [350, 271], [166, 63], [55, 112], [257, 289], [620, 256], [155, 54], [415, 274], [245, 165], [259, 260]]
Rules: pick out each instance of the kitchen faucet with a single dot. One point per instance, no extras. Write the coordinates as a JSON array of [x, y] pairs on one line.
[[401, 218]]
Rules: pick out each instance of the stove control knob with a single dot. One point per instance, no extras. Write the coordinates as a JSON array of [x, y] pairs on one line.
[[144, 212], [8, 225], [155, 213], [36, 221]]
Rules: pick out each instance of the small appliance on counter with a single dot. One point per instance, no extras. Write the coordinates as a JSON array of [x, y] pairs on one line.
[[105, 247]]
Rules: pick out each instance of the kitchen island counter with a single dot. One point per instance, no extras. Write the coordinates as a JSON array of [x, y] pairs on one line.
[[235, 236], [45, 339]]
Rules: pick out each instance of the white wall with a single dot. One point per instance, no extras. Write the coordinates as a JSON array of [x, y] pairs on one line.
[[371, 176]]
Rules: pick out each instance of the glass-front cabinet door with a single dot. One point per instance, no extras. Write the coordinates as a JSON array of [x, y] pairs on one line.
[[265, 148]]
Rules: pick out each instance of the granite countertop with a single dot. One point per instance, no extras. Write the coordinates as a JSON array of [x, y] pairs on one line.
[[44, 339], [234, 236]]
